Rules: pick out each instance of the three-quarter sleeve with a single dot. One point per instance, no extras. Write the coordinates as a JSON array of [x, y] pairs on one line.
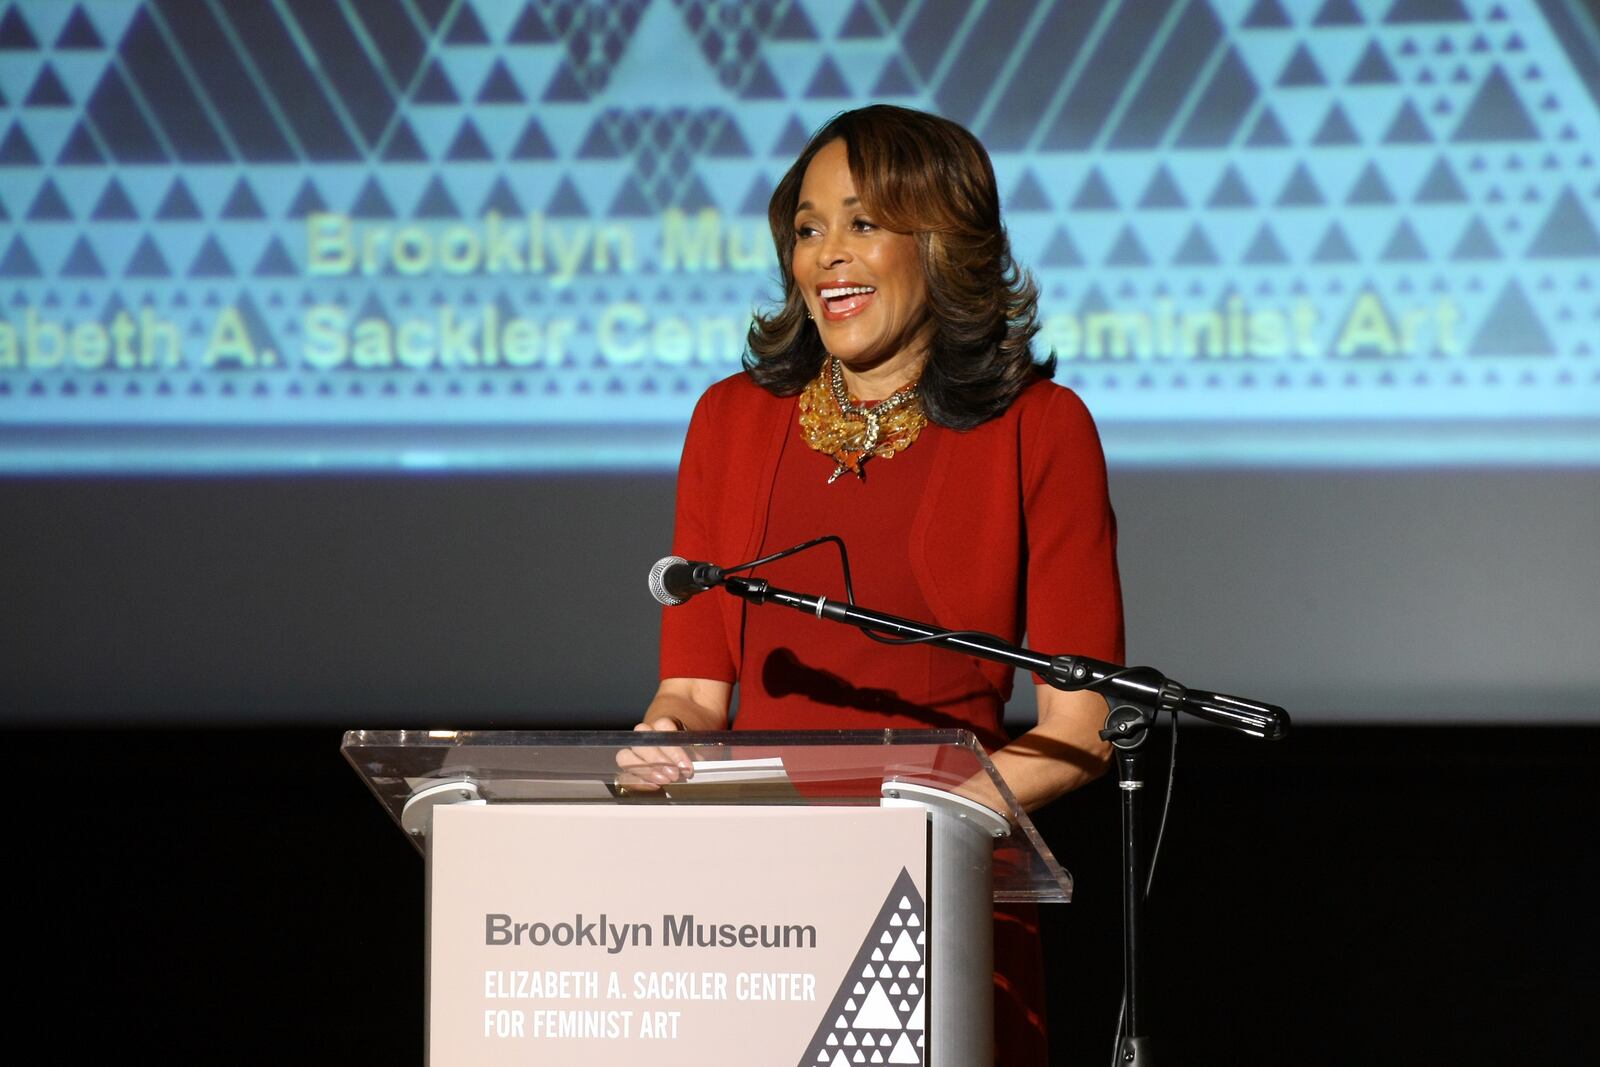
[[1073, 596], [694, 640]]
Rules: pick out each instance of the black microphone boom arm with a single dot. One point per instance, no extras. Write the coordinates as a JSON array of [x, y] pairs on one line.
[[1142, 686]]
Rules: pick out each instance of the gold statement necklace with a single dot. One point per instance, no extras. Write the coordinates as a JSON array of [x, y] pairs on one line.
[[838, 425]]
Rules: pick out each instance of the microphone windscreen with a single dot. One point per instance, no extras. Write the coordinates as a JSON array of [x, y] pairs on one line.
[[658, 582]]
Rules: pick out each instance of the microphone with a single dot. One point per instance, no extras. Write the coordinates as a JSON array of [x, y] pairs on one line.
[[674, 579]]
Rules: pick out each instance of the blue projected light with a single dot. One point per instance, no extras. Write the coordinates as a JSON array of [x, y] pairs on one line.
[[527, 235]]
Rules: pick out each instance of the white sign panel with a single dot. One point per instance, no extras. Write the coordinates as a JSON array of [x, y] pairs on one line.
[[595, 935]]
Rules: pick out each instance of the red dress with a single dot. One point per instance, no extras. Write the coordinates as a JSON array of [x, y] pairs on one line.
[[1004, 528]]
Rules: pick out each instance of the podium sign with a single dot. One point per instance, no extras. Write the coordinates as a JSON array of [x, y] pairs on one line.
[[614, 936]]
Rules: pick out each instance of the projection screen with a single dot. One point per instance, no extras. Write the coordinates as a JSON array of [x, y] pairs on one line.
[[434, 234]]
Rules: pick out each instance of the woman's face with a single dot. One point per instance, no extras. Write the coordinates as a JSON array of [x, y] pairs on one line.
[[862, 284]]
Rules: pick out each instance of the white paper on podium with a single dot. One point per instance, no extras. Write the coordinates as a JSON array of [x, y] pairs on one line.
[[738, 770]]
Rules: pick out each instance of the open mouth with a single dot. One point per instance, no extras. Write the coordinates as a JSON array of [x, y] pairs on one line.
[[842, 301]]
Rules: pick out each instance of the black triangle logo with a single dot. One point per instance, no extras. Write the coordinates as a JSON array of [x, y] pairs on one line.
[[864, 1017]]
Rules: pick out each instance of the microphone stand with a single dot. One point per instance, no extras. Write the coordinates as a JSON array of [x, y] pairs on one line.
[[1136, 696]]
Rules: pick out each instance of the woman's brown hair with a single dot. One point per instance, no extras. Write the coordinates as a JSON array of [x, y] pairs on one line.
[[924, 175]]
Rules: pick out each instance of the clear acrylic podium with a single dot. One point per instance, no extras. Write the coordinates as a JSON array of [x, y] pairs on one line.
[[976, 855]]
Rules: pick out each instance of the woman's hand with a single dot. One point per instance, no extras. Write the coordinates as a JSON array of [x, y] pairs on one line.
[[680, 704], [649, 767]]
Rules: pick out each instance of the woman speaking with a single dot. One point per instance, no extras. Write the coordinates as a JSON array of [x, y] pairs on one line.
[[893, 399]]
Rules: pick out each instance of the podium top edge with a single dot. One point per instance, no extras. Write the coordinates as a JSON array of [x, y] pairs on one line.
[[421, 738]]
